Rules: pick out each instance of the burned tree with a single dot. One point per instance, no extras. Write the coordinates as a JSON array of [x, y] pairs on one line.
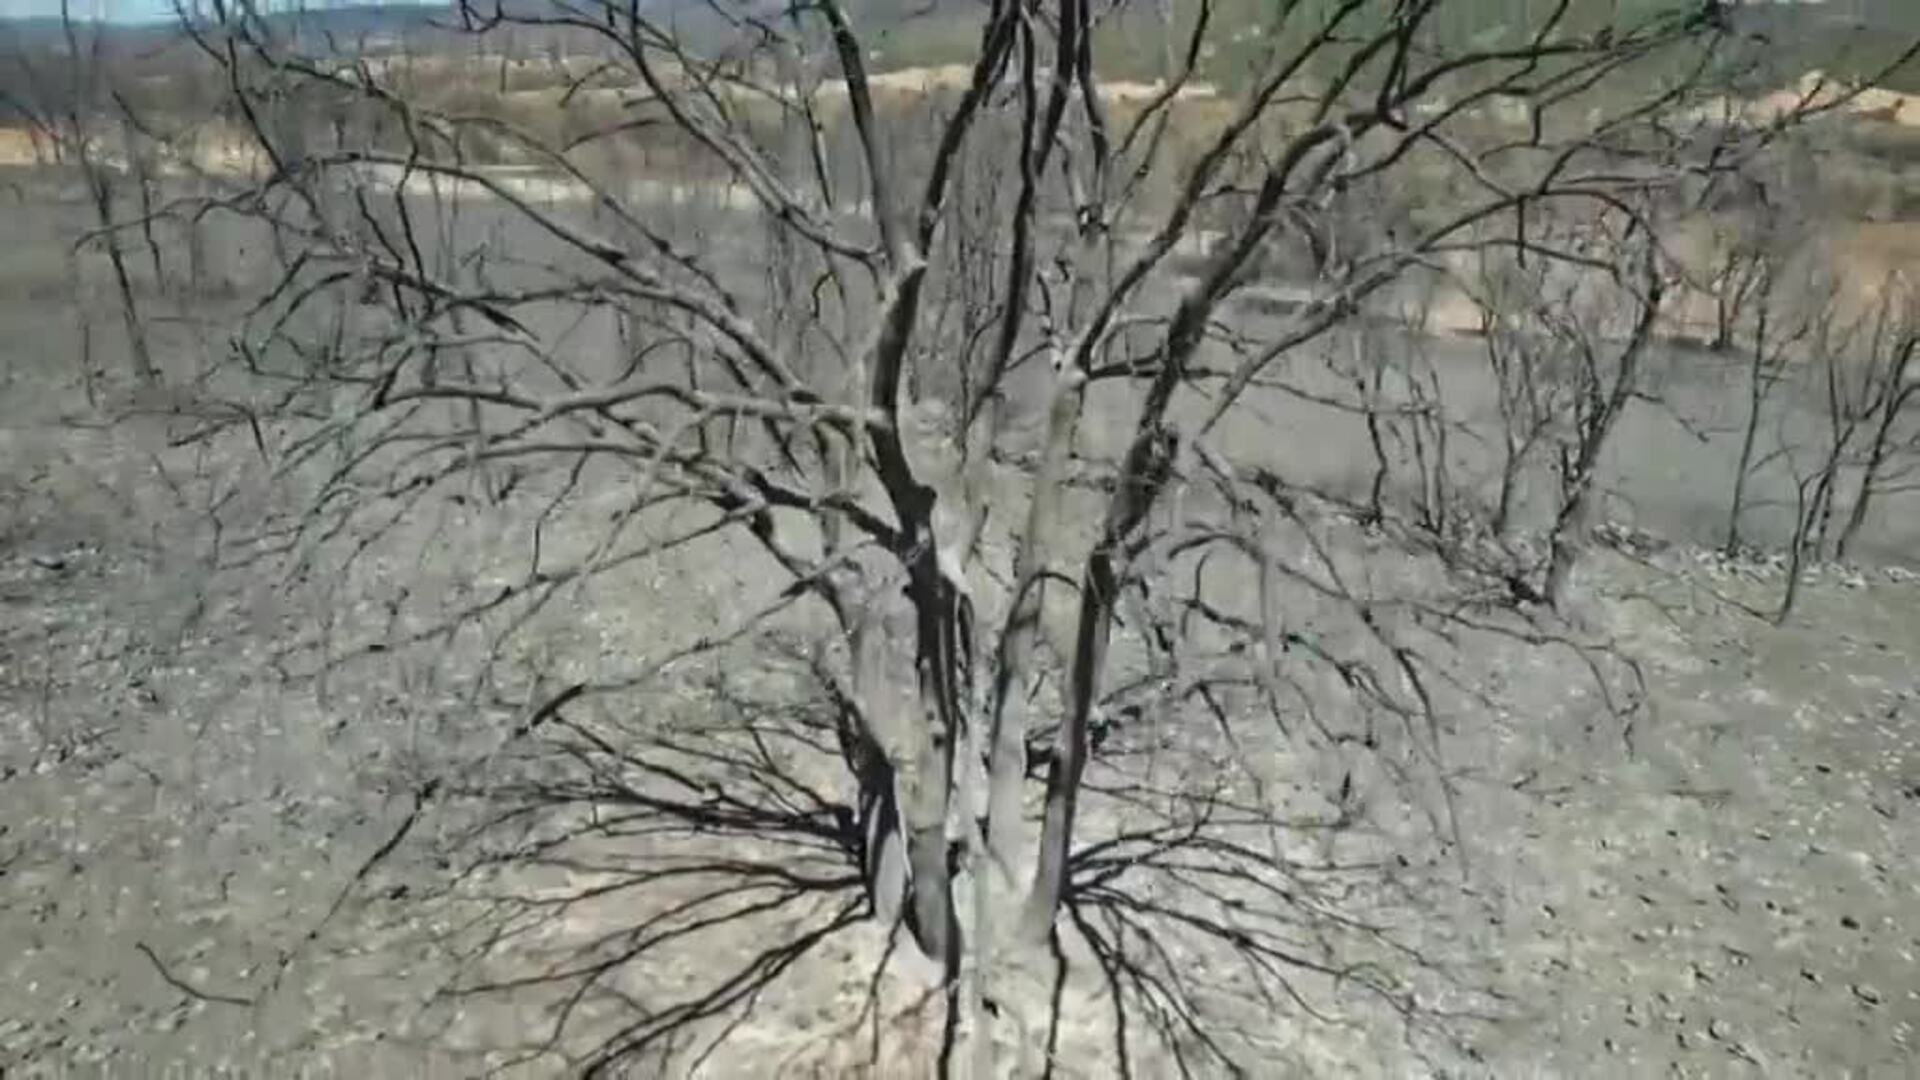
[[922, 358], [1861, 369], [67, 101]]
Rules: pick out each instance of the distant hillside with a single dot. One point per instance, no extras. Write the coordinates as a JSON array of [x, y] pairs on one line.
[[347, 23], [910, 33]]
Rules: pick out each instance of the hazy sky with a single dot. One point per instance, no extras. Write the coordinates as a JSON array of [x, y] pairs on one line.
[[117, 10]]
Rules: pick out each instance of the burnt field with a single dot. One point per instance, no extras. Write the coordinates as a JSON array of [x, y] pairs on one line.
[[1381, 543], [1717, 888]]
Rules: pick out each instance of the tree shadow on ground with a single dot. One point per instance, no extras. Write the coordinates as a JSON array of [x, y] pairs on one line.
[[652, 881], [1214, 931]]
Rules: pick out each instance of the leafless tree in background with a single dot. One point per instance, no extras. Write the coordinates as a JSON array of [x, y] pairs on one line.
[[1565, 352], [1039, 560], [1889, 387], [1776, 331], [1863, 371], [68, 102]]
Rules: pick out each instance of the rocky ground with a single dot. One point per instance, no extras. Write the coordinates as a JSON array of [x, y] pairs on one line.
[[204, 867], [1725, 890]]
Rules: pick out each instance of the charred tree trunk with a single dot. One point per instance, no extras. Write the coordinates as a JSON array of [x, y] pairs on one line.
[[1758, 384], [101, 190], [1896, 392], [1596, 427]]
